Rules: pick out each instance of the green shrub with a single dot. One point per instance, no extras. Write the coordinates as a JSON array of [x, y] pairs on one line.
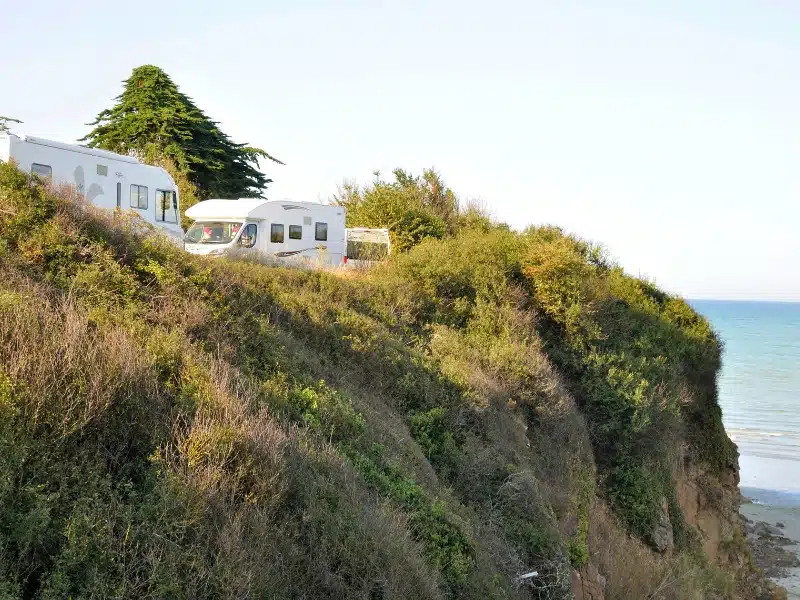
[[412, 208], [445, 545], [170, 424], [431, 430]]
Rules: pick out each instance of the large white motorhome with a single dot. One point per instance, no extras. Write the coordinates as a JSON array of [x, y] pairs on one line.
[[294, 231], [106, 179]]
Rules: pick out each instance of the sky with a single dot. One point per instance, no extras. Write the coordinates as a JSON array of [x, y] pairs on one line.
[[667, 131]]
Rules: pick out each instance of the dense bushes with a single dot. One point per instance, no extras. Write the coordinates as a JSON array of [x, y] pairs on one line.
[[641, 364], [177, 427], [638, 361], [412, 208]]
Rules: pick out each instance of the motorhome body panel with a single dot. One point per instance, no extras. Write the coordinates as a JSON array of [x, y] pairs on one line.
[[285, 230], [105, 179], [5, 147]]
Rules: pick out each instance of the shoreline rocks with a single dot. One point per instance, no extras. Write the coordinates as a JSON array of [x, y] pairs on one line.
[[769, 548]]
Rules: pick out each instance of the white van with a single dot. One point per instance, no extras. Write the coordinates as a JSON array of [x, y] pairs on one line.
[[105, 179], [365, 245], [302, 231]]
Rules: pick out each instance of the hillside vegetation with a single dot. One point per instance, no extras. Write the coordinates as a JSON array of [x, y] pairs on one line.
[[481, 406]]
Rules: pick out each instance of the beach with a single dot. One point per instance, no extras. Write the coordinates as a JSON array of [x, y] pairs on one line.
[[774, 533]]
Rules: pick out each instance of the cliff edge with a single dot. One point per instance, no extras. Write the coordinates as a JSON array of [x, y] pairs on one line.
[[491, 415]]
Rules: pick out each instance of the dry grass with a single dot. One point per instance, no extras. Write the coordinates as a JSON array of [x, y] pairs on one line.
[[174, 426], [635, 571], [234, 477]]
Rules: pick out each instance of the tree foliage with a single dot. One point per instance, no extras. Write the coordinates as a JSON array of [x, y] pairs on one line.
[[153, 120], [413, 208], [4, 122]]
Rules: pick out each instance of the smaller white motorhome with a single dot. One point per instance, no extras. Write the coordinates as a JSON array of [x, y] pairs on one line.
[[106, 179], [294, 231], [365, 245]]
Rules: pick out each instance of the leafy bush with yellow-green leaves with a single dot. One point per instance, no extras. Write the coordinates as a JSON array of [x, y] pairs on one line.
[[413, 208], [174, 426]]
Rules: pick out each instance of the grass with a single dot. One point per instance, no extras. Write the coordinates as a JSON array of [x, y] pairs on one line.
[[432, 427]]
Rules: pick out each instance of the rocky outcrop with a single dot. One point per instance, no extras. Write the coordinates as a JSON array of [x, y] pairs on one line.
[[769, 548], [710, 506], [710, 509], [662, 536], [588, 584]]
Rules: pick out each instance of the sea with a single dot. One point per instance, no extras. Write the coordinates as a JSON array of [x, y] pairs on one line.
[[759, 392]]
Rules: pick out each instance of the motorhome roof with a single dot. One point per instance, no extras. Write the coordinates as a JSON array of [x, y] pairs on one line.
[[368, 234], [368, 229], [223, 209], [248, 208], [77, 148]]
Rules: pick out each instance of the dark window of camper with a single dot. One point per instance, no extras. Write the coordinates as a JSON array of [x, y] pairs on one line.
[[276, 233], [165, 211], [119, 194], [321, 232], [248, 238], [295, 232], [42, 170], [138, 196], [102, 170]]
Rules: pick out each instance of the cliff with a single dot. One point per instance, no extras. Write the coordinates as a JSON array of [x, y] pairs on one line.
[[479, 408]]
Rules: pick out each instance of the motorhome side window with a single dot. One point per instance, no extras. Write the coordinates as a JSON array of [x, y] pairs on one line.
[[42, 170], [248, 237], [321, 232], [276, 233], [295, 232], [138, 196], [165, 208]]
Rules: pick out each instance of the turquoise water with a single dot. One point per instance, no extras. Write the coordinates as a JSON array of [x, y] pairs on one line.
[[759, 388]]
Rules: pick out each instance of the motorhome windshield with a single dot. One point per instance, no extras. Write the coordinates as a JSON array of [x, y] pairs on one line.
[[212, 232]]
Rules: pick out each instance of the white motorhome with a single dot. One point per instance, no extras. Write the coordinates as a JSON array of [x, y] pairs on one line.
[[365, 245], [106, 179], [301, 231]]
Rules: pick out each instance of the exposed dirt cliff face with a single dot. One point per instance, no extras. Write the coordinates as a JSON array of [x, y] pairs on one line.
[[588, 583], [710, 507], [621, 566]]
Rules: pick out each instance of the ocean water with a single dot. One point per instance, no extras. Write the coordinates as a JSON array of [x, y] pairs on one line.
[[759, 389]]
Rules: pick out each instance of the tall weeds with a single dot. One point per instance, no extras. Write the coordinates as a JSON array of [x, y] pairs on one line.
[[431, 427]]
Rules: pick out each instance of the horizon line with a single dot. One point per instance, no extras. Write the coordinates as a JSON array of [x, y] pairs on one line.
[[751, 300]]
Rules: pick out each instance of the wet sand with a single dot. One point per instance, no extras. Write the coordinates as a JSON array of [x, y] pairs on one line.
[[776, 542]]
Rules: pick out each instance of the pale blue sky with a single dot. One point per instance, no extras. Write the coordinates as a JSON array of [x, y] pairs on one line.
[[669, 131]]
